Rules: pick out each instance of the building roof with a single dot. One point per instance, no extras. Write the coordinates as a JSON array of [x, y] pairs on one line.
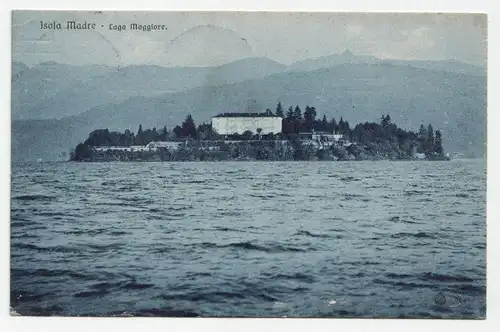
[[245, 115]]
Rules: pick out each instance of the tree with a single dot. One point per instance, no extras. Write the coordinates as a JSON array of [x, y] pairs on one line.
[[268, 111], [297, 113], [287, 124], [430, 134], [386, 120], [422, 131], [297, 122], [259, 131], [341, 126], [333, 126], [290, 114], [82, 151], [279, 110], [347, 130], [188, 127], [155, 135], [138, 137], [178, 131], [324, 123], [438, 143], [430, 139], [247, 135], [309, 117], [164, 134]]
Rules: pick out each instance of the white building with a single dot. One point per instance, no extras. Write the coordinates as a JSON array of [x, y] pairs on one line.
[[231, 123], [112, 148]]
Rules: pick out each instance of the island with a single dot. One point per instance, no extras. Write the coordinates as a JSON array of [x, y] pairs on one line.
[[271, 136]]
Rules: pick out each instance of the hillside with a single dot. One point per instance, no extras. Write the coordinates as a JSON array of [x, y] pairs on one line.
[[52, 91], [348, 57], [454, 103]]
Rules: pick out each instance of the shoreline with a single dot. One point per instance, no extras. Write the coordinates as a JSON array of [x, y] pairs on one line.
[[251, 160]]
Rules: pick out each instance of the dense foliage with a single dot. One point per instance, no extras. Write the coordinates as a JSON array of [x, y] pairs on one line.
[[369, 140]]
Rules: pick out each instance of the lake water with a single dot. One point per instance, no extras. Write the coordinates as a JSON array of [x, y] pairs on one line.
[[250, 239]]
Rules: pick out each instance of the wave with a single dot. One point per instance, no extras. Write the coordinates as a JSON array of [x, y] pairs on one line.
[[430, 276], [193, 275], [200, 296], [348, 197], [296, 276], [136, 285], [349, 179], [103, 285], [307, 233], [118, 233], [417, 235], [398, 275], [34, 198], [17, 273], [161, 250], [273, 248], [59, 214], [469, 289], [152, 312], [105, 247], [24, 222], [262, 196], [404, 285], [227, 229], [414, 192], [20, 296], [405, 221], [97, 293], [91, 232], [62, 249]]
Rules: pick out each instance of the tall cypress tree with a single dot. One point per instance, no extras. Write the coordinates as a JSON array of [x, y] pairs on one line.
[[438, 143], [333, 126], [430, 139], [290, 114], [324, 123], [279, 110], [138, 137]]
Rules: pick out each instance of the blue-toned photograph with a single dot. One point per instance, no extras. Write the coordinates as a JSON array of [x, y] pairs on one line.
[[248, 164]]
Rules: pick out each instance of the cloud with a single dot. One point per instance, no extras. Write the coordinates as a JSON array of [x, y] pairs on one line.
[[284, 37]]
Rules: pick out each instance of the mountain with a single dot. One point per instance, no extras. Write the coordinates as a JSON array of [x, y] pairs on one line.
[[347, 57], [52, 91], [451, 66], [452, 102]]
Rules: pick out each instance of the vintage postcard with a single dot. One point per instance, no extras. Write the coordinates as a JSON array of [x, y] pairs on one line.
[[248, 164]]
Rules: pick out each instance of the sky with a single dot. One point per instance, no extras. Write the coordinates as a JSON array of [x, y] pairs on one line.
[[214, 38]]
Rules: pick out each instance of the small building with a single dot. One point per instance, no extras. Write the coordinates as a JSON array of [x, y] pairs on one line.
[[321, 136], [154, 145], [238, 123]]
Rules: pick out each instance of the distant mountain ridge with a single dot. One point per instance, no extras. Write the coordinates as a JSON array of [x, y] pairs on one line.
[[453, 102], [53, 91], [348, 57]]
